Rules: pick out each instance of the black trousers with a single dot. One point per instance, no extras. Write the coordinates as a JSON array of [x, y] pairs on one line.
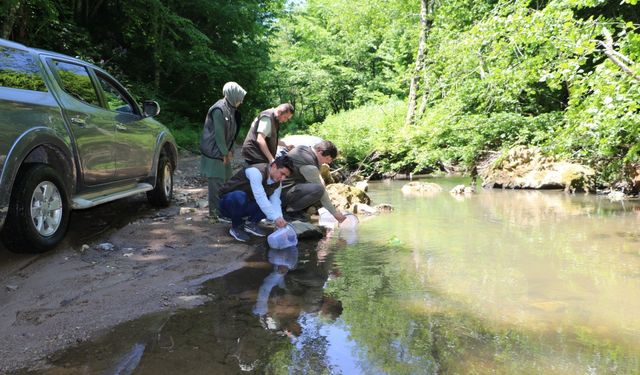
[[301, 196]]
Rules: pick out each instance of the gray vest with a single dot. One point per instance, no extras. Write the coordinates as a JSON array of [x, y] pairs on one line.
[[208, 146], [300, 155], [250, 148]]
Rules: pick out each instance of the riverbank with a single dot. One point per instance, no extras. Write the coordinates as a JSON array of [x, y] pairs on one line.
[[119, 261]]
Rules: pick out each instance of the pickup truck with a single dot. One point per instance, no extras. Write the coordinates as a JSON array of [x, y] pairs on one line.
[[71, 137]]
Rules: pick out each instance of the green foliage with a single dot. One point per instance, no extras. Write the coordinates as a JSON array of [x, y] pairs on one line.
[[464, 139], [360, 132], [500, 74], [497, 73], [180, 53], [603, 119], [332, 56]]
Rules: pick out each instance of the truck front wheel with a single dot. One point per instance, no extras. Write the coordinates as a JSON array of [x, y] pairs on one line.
[[38, 213], [161, 194]]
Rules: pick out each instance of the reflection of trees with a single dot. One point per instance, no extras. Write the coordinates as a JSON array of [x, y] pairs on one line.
[[19, 70], [22, 80], [310, 356], [79, 86], [405, 327]]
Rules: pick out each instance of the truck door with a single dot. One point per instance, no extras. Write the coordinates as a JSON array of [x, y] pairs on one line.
[[92, 126], [135, 140]]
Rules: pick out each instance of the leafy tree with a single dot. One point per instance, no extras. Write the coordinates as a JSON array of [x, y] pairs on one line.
[[181, 53]]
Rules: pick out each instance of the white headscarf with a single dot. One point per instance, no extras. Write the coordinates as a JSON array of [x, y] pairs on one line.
[[234, 93]]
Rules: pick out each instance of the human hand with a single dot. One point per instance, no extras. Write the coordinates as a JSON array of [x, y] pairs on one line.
[[340, 217], [280, 222], [227, 158]]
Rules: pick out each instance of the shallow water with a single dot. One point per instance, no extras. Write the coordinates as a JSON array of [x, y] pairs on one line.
[[524, 282]]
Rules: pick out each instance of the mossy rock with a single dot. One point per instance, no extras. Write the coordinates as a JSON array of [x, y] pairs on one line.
[[344, 197]]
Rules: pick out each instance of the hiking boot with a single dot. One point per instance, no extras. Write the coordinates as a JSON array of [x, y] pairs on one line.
[[254, 229], [239, 234]]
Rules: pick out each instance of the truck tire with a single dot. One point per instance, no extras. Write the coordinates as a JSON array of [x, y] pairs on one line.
[[162, 193], [39, 210]]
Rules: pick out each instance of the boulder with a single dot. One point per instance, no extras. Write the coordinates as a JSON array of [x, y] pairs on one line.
[[527, 168], [345, 197], [462, 189], [307, 230], [301, 140], [422, 188], [616, 196], [362, 185], [325, 173], [384, 207]]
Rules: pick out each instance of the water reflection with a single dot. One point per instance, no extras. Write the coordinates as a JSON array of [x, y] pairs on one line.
[[502, 282], [282, 260]]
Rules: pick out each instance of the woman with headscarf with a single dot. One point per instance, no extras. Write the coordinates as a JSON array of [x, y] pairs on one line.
[[221, 128]]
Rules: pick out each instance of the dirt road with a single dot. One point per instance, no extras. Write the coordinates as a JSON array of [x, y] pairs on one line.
[[118, 262]]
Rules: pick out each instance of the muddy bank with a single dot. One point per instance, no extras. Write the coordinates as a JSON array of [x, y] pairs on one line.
[[118, 262]]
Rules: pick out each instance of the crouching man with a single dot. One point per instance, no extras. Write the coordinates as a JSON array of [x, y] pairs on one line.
[[305, 186], [254, 192]]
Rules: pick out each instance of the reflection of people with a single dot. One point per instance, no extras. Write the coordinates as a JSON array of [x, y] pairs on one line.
[[305, 187], [283, 260], [262, 141], [220, 131], [254, 192]]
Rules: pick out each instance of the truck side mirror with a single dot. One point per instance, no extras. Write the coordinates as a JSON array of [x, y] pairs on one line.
[[150, 108]]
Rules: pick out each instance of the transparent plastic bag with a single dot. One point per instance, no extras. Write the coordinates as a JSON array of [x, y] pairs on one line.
[[350, 222], [283, 237]]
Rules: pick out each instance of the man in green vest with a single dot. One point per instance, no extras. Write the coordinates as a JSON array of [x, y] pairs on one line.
[[221, 128], [305, 186], [262, 139], [254, 192]]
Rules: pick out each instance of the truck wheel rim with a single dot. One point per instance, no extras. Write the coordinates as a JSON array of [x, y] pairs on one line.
[[46, 208], [167, 180]]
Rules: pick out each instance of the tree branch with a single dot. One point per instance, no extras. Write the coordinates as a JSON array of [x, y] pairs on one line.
[[615, 56]]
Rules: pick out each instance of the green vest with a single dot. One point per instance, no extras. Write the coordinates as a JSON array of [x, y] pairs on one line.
[[208, 145]]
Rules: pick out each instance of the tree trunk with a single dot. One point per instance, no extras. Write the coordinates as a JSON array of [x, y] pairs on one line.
[[158, 33], [425, 91], [10, 18], [413, 88]]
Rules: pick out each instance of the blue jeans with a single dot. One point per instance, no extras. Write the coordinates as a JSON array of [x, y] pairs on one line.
[[236, 205]]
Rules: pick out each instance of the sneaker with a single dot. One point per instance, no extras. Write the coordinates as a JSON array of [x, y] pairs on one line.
[[239, 234], [224, 219], [254, 229]]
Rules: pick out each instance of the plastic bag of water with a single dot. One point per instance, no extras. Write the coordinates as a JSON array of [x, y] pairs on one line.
[[350, 222], [282, 238], [327, 220]]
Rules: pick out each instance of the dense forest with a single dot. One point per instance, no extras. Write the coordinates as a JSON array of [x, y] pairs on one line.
[[402, 85]]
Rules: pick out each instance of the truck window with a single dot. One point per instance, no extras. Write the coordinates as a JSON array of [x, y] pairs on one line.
[[75, 81], [19, 70], [116, 99]]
